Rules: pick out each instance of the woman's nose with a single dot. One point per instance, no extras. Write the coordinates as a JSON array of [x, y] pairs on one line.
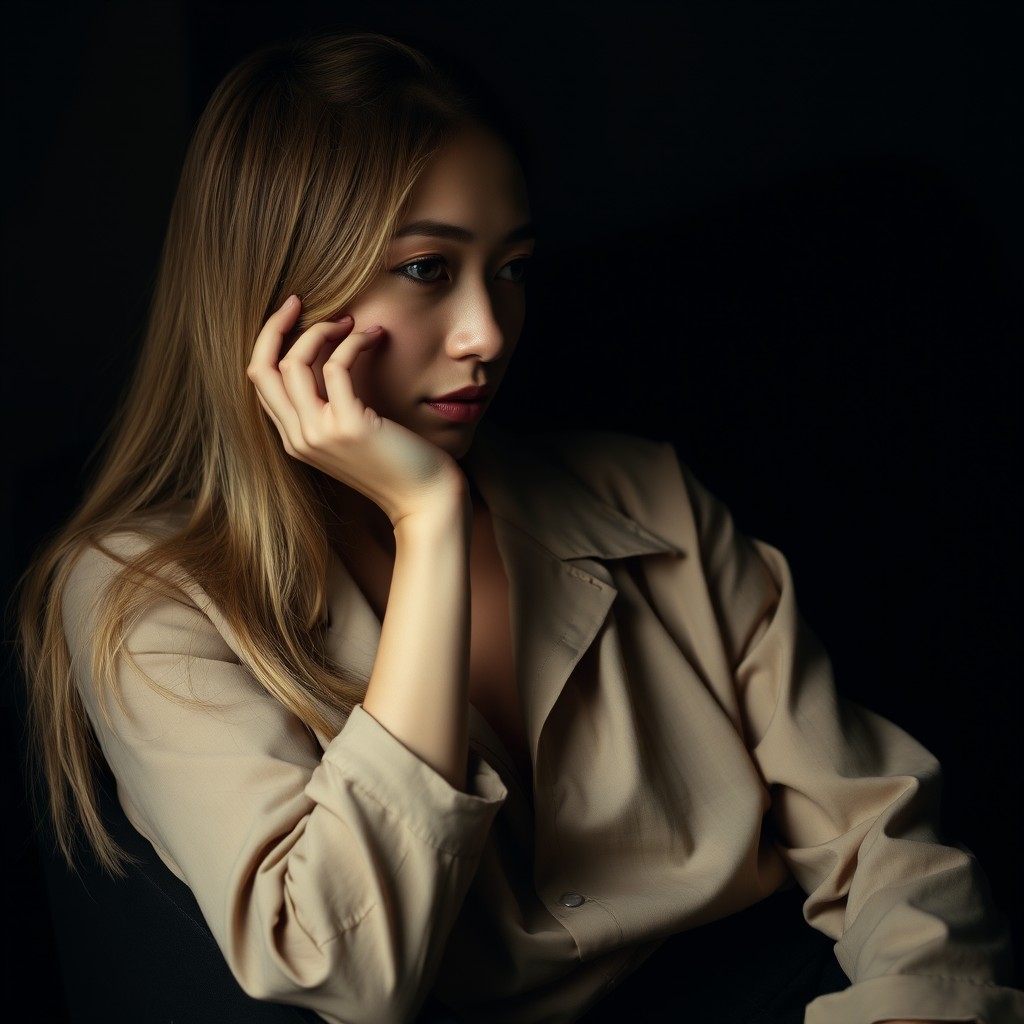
[[475, 329]]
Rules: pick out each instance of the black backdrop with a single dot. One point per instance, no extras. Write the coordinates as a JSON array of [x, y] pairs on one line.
[[785, 236]]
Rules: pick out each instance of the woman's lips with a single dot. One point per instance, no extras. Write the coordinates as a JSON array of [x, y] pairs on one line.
[[458, 412], [463, 406]]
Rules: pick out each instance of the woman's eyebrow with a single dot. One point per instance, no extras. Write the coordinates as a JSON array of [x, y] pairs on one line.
[[439, 229]]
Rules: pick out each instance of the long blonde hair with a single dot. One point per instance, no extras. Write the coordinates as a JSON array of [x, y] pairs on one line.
[[293, 183]]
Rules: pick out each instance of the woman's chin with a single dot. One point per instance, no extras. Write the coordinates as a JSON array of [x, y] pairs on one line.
[[457, 446]]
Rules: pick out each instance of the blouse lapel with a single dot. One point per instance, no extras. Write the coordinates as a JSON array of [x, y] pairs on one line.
[[552, 534]]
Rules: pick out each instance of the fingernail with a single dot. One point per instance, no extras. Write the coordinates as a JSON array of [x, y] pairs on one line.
[[343, 319], [375, 329], [290, 301]]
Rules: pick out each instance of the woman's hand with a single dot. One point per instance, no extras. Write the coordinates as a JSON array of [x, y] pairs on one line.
[[418, 687], [339, 435]]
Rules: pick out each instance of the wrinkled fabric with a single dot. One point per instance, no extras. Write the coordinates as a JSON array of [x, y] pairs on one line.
[[690, 757]]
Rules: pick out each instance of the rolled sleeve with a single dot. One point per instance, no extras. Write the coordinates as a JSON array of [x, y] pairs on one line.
[[330, 878], [855, 802], [452, 821], [918, 998]]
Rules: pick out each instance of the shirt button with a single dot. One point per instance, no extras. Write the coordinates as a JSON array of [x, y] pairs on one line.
[[571, 900]]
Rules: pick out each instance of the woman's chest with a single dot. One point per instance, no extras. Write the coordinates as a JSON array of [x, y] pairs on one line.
[[493, 684]]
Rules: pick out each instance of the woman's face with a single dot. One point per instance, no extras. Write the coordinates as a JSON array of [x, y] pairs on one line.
[[452, 301]]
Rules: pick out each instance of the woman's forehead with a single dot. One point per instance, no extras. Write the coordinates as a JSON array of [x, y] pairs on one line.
[[473, 184]]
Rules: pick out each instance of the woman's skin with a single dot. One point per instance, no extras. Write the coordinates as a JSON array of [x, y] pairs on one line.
[[350, 397]]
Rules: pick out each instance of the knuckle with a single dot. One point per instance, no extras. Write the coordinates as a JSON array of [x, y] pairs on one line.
[[310, 439], [347, 431]]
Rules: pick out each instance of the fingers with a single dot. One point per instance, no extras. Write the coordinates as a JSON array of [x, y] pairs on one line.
[[270, 341], [283, 379], [263, 363], [307, 392], [297, 367], [288, 386], [299, 371], [288, 447], [337, 370]]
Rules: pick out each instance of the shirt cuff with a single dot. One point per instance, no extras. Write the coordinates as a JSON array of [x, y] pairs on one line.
[[385, 771], [918, 997]]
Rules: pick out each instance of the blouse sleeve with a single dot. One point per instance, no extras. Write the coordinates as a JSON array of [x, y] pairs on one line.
[[856, 801], [329, 878]]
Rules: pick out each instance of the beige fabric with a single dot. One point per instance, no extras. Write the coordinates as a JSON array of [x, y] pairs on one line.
[[672, 698]]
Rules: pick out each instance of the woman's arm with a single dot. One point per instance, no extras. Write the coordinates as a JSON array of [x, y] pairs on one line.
[[856, 802], [418, 689], [330, 877]]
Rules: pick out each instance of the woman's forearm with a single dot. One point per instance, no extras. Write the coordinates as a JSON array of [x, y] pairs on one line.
[[418, 689]]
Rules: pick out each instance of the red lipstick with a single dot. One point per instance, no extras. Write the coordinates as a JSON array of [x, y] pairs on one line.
[[466, 405]]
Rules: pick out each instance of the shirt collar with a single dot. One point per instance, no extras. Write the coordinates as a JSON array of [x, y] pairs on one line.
[[525, 485]]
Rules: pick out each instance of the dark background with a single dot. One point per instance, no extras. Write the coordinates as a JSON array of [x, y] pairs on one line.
[[785, 236]]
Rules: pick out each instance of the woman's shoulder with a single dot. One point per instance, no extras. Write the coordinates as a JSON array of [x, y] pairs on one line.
[[615, 465], [100, 559], [129, 577], [111, 549], [587, 453], [639, 476], [605, 454]]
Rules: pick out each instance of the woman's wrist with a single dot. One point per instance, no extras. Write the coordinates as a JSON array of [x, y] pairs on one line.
[[446, 512]]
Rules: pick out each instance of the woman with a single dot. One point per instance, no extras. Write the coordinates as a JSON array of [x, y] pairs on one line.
[[414, 708]]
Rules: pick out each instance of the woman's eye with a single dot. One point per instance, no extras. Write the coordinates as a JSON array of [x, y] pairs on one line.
[[426, 271], [514, 271]]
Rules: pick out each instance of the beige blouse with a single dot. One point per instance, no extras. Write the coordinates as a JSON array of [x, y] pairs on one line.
[[690, 757]]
